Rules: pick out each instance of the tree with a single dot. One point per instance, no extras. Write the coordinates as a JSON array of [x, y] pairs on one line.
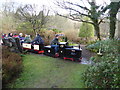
[[86, 30], [28, 13], [8, 21], [114, 7], [78, 11]]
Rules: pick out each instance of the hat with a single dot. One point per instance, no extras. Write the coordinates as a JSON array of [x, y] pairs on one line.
[[56, 35]]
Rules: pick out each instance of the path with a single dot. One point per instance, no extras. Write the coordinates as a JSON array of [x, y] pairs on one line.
[[86, 55]]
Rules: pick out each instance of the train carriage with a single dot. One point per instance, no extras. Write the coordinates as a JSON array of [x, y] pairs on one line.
[[38, 48], [35, 48], [27, 46]]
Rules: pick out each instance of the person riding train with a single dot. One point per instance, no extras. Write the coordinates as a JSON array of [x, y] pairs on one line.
[[10, 35], [54, 44], [27, 39], [38, 40]]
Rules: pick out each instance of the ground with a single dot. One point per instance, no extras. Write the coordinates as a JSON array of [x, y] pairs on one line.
[[42, 71], [86, 53]]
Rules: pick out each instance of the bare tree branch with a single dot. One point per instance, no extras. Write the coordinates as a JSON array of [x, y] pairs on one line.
[[82, 7], [75, 19]]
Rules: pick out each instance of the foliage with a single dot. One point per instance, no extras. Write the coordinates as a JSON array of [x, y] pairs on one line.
[[105, 72], [86, 30], [71, 35], [7, 22], [47, 35], [56, 31], [94, 47], [11, 66], [24, 26], [104, 46]]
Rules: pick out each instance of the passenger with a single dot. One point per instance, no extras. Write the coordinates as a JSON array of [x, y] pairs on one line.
[[6, 36], [37, 40], [15, 35], [21, 36], [3, 35], [55, 45], [27, 39], [10, 35]]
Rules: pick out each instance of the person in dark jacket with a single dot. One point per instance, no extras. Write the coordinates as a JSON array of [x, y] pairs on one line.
[[27, 39], [55, 43], [38, 40], [10, 35]]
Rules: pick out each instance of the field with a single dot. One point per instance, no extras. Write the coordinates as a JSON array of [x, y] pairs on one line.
[[46, 72]]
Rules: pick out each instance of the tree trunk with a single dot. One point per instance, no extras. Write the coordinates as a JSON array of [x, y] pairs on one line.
[[113, 12], [97, 30], [112, 26]]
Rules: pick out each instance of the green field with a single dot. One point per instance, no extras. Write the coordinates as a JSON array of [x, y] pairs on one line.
[[47, 72]]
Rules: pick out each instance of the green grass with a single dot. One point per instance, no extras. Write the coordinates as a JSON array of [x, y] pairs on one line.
[[47, 72]]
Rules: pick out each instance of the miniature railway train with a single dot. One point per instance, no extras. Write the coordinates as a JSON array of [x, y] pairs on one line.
[[72, 53]]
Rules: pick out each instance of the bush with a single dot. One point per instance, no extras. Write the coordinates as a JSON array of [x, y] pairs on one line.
[[47, 36], [86, 30], [105, 72], [56, 30], [105, 45], [11, 66], [94, 47]]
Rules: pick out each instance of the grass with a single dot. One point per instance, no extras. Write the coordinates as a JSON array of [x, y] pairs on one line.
[[47, 72]]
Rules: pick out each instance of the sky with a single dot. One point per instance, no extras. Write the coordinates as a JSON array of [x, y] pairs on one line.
[[49, 3]]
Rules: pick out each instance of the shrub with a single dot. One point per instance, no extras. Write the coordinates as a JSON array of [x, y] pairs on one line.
[[47, 35], [11, 66], [86, 30], [56, 30], [105, 45], [71, 35], [105, 72]]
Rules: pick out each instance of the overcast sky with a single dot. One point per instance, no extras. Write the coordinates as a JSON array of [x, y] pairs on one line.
[[49, 3]]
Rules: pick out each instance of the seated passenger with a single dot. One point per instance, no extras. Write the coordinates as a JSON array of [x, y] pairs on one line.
[[37, 40], [21, 36], [15, 35], [10, 35], [27, 39], [55, 43], [3, 35]]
